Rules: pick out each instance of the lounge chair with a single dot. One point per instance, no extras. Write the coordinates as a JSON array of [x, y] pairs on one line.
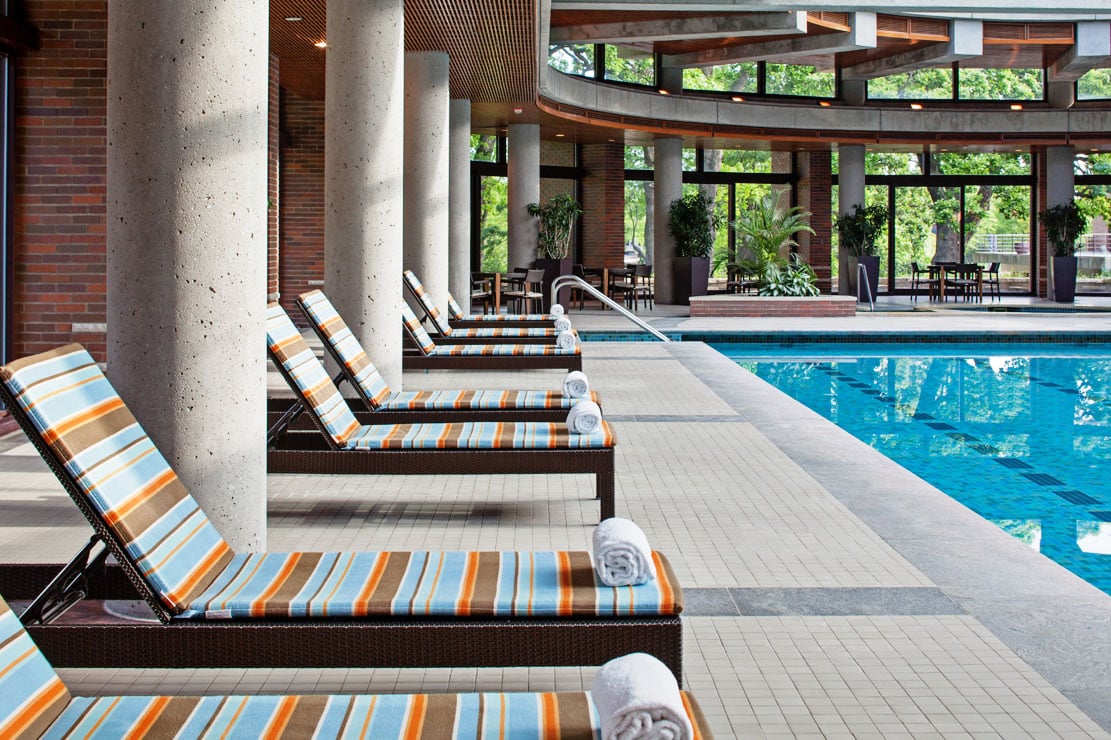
[[35, 703], [223, 609], [500, 334], [383, 405], [343, 445], [432, 356], [462, 319]]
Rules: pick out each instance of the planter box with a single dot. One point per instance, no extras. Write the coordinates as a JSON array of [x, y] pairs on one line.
[[756, 306], [692, 277], [553, 269], [1064, 279]]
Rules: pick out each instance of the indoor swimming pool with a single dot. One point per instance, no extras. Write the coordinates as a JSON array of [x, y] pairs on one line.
[[1019, 433]]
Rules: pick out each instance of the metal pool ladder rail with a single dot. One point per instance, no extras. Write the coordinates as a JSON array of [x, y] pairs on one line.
[[865, 283], [564, 281]]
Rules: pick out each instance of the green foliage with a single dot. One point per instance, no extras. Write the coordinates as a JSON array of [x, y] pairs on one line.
[[494, 221], [691, 221], [742, 77], [1094, 85], [1000, 84], [791, 278], [767, 228], [1064, 223], [858, 230], [627, 64], [573, 59], [797, 79], [919, 84], [556, 219]]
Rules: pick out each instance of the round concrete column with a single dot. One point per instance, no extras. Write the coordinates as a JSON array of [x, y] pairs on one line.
[[524, 188], [426, 170], [364, 122], [668, 181], [850, 193], [187, 159], [1060, 187], [459, 202]]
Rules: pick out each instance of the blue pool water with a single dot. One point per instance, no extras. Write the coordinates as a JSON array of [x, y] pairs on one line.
[[1020, 434]]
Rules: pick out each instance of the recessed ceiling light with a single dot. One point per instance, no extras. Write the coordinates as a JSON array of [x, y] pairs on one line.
[[518, 110], [664, 92], [560, 136], [825, 103], [916, 106], [294, 18], [321, 44], [614, 141], [1016, 106], [738, 99]]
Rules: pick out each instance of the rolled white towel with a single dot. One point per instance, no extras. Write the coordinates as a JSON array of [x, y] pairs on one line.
[[637, 697], [622, 556], [585, 417], [563, 323], [576, 384], [567, 340], [556, 310]]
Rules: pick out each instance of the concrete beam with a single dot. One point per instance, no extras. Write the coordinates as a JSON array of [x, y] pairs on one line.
[[1092, 49], [862, 36], [966, 40], [1063, 9], [678, 29]]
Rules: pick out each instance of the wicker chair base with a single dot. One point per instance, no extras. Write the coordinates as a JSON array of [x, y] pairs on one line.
[[492, 362], [457, 339], [308, 453], [275, 407]]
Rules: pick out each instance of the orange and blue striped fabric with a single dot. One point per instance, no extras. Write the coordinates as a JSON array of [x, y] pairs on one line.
[[372, 386], [31, 693], [442, 325], [368, 381], [432, 584], [491, 716], [478, 435], [311, 380], [429, 347], [458, 314], [122, 475]]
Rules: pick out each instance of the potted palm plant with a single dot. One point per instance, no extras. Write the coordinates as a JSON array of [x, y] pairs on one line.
[[858, 231], [555, 224], [691, 221], [1064, 223], [766, 230]]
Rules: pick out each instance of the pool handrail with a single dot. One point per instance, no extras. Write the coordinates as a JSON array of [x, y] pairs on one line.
[[564, 281]]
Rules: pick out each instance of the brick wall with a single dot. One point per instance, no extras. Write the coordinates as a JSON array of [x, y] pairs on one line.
[[301, 198], [814, 191], [603, 205], [273, 155], [60, 179]]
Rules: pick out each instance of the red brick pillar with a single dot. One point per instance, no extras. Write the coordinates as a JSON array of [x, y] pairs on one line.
[[301, 196], [603, 219], [813, 190], [273, 159]]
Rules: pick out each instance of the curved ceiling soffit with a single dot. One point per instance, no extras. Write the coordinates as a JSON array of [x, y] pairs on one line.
[[595, 103]]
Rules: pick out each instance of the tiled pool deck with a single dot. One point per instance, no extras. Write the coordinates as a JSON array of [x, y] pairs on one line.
[[830, 592]]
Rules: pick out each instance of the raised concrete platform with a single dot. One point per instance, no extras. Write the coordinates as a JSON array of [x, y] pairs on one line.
[[771, 306]]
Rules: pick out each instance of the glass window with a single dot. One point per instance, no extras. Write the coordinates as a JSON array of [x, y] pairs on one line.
[[574, 59], [745, 160], [921, 84], [892, 163], [638, 157], [797, 79], [1093, 163], [690, 160], [638, 221], [1000, 84], [738, 78], [484, 148], [1094, 85], [629, 64], [494, 224], [997, 229], [991, 163]]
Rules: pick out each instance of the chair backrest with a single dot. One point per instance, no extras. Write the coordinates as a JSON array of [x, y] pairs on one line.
[[454, 308], [417, 289], [345, 348], [416, 331], [993, 268], [643, 271], [534, 279], [118, 477], [32, 694], [306, 375], [914, 267]]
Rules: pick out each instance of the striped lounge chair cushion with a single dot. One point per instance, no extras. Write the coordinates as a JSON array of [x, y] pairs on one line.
[[383, 717], [434, 584], [457, 313], [368, 381], [311, 380], [122, 475], [372, 386], [478, 435], [31, 693], [442, 325], [441, 400], [429, 347]]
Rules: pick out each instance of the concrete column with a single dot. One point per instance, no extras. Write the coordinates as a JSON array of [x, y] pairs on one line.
[[854, 92], [668, 180], [670, 79], [426, 170], [187, 159], [364, 123], [524, 188], [850, 193], [1060, 181], [459, 202], [1061, 94]]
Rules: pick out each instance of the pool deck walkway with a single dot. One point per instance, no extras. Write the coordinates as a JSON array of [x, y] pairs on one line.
[[830, 592]]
